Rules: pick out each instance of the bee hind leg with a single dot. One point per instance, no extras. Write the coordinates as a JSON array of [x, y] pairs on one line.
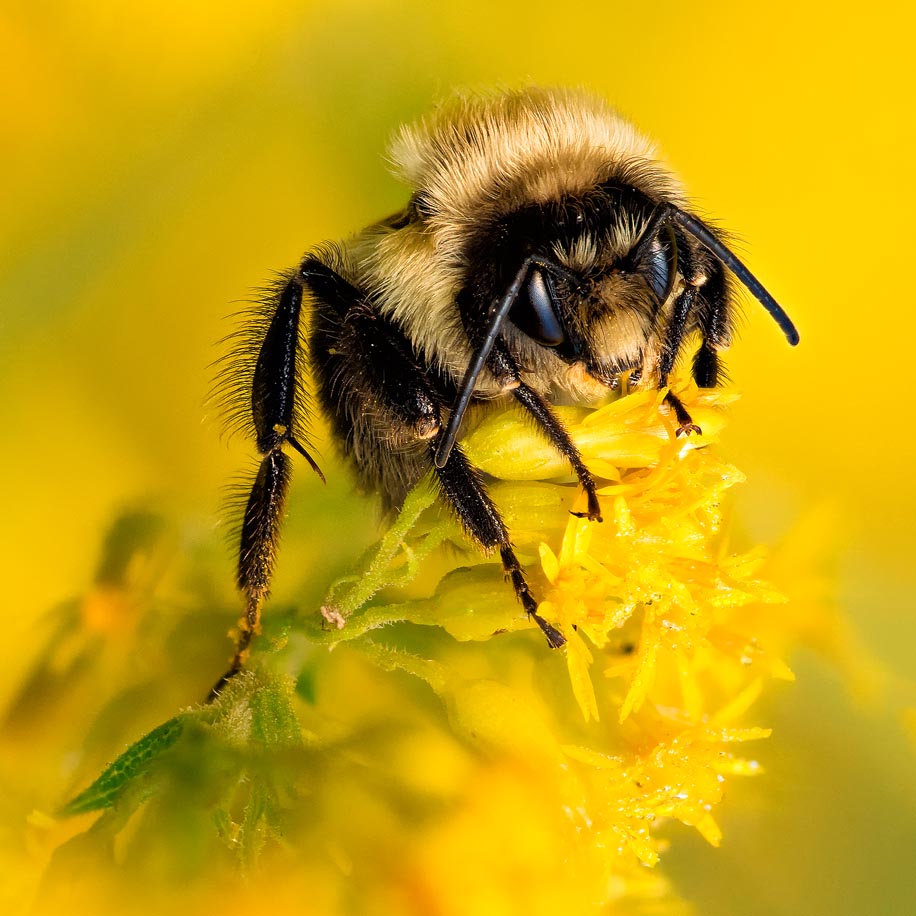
[[274, 387]]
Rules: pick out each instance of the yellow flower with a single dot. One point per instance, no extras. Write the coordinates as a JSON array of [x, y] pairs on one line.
[[442, 758]]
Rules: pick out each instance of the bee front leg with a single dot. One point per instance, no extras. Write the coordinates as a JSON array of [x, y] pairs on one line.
[[505, 368], [462, 487], [559, 438], [671, 345]]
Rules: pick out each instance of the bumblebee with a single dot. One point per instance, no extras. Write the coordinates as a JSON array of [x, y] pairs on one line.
[[543, 253]]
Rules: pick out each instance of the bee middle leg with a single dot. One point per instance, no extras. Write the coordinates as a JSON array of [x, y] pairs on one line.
[[556, 433], [506, 369]]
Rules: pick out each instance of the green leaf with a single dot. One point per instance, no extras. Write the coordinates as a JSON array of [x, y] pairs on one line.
[[273, 721], [105, 791]]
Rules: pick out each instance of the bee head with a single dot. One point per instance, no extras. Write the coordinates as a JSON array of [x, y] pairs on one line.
[[600, 268], [600, 313]]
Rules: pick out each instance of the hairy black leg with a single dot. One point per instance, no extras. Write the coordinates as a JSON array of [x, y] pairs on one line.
[[685, 421], [675, 332], [483, 327], [274, 390], [504, 367], [273, 410], [671, 345], [682, 318], [462, 487], [257, 552], [713, 321], [556, 433]]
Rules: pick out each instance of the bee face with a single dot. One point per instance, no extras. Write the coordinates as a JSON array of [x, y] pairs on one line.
[[543, 249], [601, 295]]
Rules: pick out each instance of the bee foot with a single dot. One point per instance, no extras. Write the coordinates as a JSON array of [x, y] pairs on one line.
[[591, 516], [555, 639]]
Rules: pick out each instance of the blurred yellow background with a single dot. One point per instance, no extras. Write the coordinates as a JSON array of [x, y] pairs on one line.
[[159, 162]]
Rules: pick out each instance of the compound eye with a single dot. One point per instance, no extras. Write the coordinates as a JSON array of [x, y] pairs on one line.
[[534, 311], [662, 268]]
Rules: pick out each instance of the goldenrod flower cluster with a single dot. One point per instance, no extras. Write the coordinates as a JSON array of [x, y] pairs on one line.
[[413, 745]]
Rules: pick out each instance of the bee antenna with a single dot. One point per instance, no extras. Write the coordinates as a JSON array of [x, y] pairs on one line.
[[499, 311], [702, 234]]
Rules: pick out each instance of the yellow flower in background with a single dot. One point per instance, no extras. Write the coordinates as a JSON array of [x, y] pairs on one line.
[[159, 164], [415, 747]]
